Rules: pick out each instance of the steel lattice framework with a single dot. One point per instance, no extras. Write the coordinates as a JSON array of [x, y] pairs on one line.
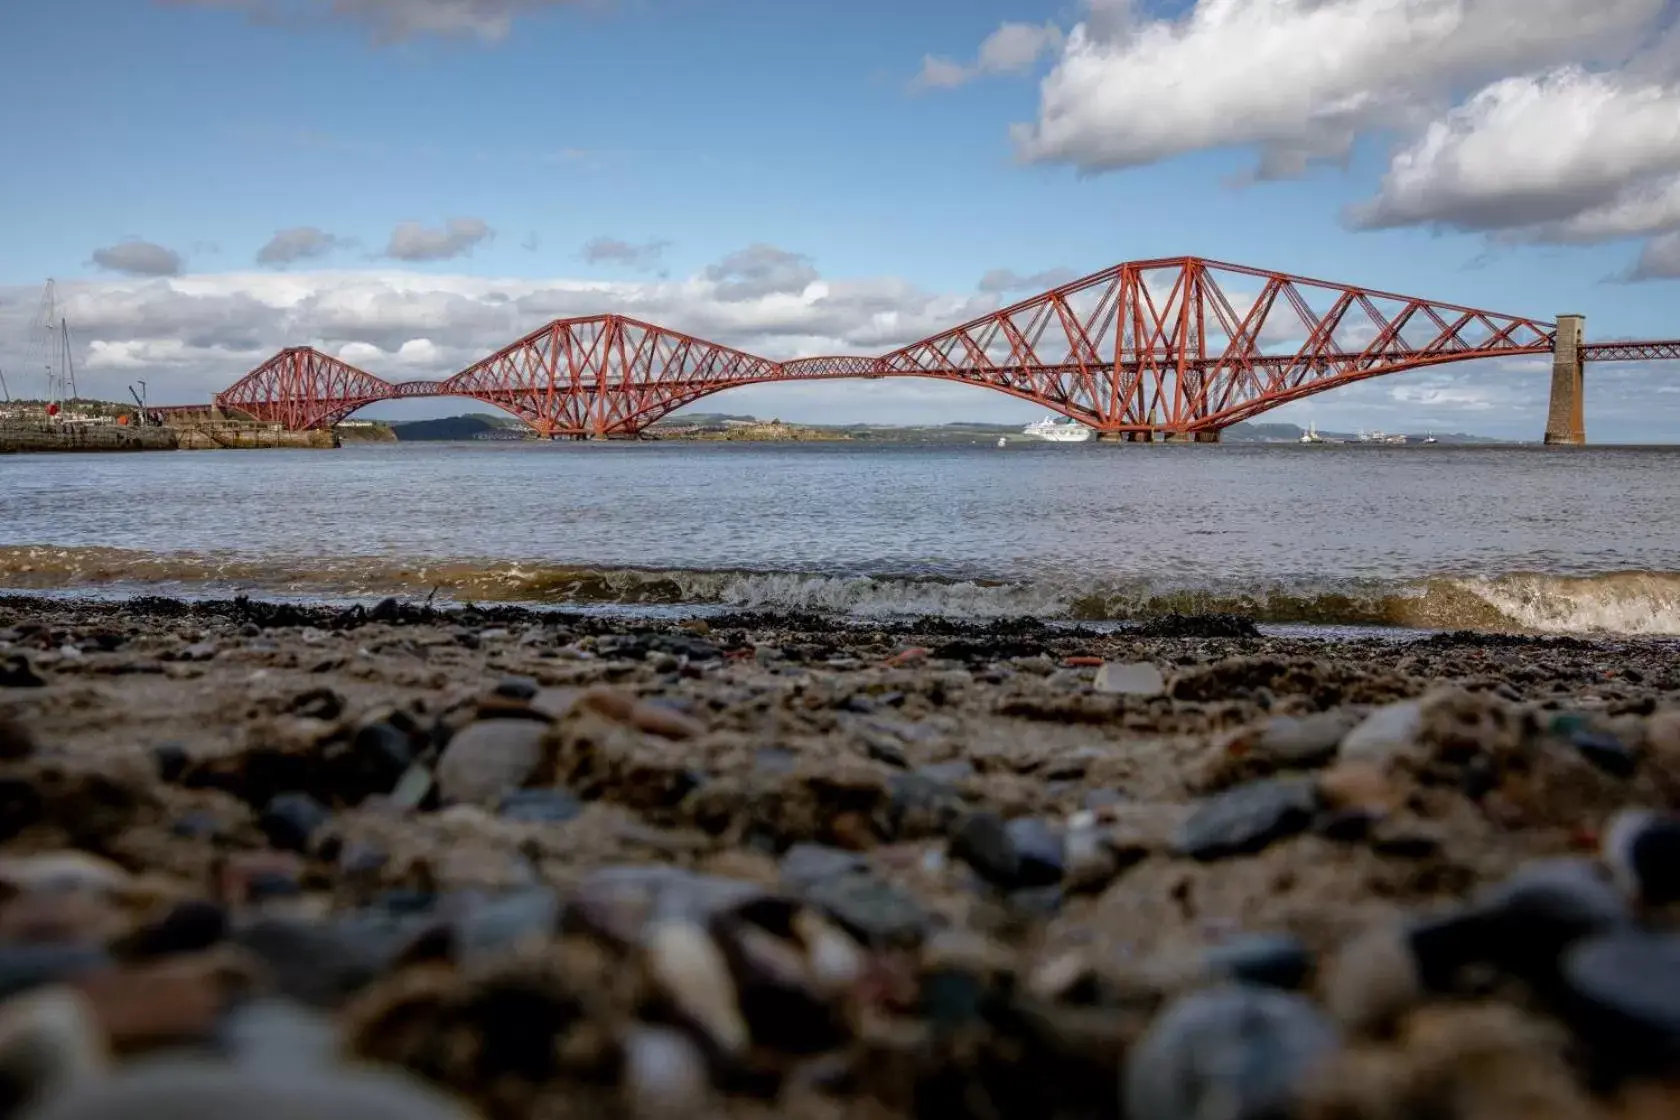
[[1179, 346]]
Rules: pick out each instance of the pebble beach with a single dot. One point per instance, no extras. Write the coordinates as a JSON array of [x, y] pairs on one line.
[[260, 859]]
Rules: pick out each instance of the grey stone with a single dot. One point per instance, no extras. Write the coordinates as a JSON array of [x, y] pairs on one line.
[[1247, 818], [1236, 1052], [806, 864], [1139, 678], [876, 912], [1389, 733], [489, 757]]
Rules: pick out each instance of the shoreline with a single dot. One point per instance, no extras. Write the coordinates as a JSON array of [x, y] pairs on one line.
[[766, 866]]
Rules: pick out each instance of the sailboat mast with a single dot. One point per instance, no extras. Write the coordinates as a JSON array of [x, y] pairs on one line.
[[66, 359]]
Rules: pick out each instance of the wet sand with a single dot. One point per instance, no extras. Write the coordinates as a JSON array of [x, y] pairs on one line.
[[776, 866]]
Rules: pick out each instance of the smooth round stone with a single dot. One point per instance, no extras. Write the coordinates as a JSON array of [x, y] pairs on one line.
[[539, 806], [168, 1089], [271, 1032], [1303, 740], [872, 910], [1545, 907], [1248, 818], [1039, 848], [1387, 734], [517, 688], [290, 819], [983, 842], [1606, 752], [380, 754], [805, 864], [1642, 849], [1624, 988], [1235, 1052], [488, 757], [489, 926], [1139, 678]]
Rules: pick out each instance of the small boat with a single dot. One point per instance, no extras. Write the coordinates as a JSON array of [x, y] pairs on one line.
[[1002, 442], [1311, 434], [1428, 439], [1058, 430]]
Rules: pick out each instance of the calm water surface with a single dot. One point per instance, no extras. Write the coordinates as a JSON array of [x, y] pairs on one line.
[[1546, 538]]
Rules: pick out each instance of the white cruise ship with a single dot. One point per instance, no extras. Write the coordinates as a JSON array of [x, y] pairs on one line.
[[1058, 430]]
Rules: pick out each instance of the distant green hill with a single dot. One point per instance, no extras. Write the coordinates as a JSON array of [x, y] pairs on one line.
[[452, 427]]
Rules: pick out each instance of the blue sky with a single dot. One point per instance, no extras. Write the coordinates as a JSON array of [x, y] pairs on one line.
[[703, 127]]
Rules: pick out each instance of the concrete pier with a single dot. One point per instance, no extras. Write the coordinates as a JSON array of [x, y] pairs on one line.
[[1193, 437], [1565, 422]]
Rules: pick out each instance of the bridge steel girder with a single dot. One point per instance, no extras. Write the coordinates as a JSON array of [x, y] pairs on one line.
[[1172, 347]]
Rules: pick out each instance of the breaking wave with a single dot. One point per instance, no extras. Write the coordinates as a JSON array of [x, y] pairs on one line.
[[1633, 603]]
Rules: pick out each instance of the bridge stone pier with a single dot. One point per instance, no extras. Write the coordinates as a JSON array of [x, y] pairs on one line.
[[1565, 421]]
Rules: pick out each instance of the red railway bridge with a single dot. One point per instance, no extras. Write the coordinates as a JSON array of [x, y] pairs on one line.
[[1177, 348]]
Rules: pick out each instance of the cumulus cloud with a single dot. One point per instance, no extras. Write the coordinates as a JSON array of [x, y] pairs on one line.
[[299, 243], [1513, 118], [1570, 155], [138, 258], [1008, 280], [1012, 49], [610, 250], [411, 241], [394, 20], [759, 271]]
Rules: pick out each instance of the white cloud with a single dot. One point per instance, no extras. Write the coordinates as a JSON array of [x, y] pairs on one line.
[[288, 246], [611, 250], [1519, 118], [1299, 78], [1012, 49], [1570, 154]]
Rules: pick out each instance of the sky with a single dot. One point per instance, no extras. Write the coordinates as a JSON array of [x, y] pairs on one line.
[[411, 184]]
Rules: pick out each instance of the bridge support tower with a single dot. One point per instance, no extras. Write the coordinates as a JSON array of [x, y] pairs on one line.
[[1565, 422], [1204, 436]]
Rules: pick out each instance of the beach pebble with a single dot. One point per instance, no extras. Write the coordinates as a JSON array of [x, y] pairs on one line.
[[1534, 915], [379, 755], [541, 806], [1247, 818], [665, 1076], [49, 1040], [1139, 678], [171, 1002], [804, 865], [983, 841], [486, 927], [1624, 990], [876, 912], [1386, 734], [516, 688], [271, 1032], [1237, 1052], [692, 970], [1303, 741], [1642, 850], [290, 820], [1372, 979], [1039, 849], [171, 1088], [486, 758]]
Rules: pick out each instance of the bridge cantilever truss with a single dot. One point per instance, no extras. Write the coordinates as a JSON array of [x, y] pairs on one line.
[[1181, 347]]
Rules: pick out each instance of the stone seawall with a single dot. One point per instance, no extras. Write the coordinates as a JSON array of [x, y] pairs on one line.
[[114, 438], [211, 439], [103, 437]]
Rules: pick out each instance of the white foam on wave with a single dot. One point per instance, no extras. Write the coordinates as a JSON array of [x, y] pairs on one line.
[[1641, 603]]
